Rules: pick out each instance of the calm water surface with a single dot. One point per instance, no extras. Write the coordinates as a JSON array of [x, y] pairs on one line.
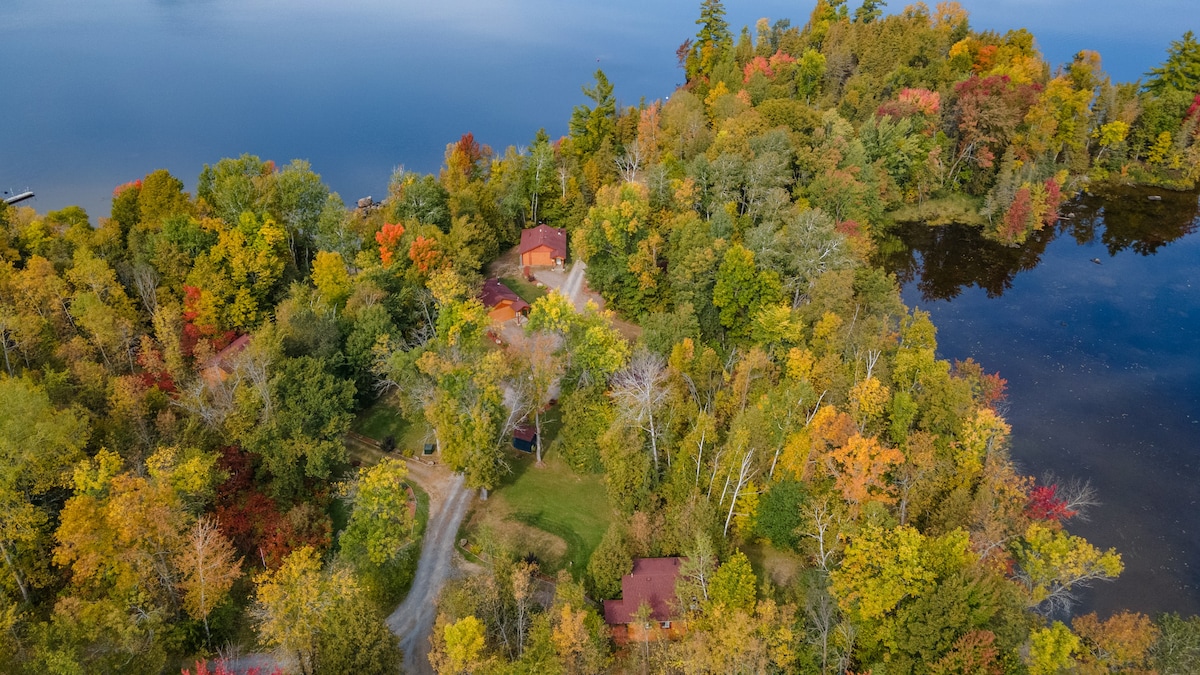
[[1094, 325], [94, 93]]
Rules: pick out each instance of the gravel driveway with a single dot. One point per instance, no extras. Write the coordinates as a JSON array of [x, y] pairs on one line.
[[413, 619]]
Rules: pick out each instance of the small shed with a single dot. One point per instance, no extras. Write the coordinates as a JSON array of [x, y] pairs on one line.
[[543, 246], [525, 437], [501, 302]]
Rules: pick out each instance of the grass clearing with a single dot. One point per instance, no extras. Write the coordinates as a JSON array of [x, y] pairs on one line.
[[949, 210], [527, 290], [781, 567], [549, 511], [383, 418]]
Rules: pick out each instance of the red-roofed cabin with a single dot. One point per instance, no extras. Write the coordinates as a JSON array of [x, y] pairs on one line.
[[501, 302], [221, 365], [543, 246], [652, 582]]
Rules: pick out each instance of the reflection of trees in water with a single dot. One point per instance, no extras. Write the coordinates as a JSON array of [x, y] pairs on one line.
[[1127, 218], [943, 260]]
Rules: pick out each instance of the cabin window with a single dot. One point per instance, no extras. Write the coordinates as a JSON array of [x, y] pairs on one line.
[[665, 624]]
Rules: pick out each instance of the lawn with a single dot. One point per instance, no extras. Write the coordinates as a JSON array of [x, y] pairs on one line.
[[383, 419], [528, 291], [558, 501]]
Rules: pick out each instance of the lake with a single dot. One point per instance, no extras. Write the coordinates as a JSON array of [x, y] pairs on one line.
[[1096, 326], [1098, 358], [100, 92]]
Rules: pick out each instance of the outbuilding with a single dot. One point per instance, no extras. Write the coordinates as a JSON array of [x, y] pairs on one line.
[[501, 302]]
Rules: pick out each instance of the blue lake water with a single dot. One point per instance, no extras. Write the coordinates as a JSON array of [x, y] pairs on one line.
[[1095, 326], [96, 93], [1100, 359]]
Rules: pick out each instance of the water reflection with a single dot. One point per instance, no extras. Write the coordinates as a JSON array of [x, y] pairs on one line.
[[942, 261], [1102, 365], [1134, 218]]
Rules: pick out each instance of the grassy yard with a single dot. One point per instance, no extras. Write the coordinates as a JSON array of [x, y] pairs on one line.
[[527, 291], [383, 419], [781, 567], [549, 511]]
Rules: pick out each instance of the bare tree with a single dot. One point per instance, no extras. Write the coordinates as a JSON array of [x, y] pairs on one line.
[[145, 281], [822, 614], [746, 472], [1078, 495], [546, 364], [640, 389], [823, 530], [631, 161]]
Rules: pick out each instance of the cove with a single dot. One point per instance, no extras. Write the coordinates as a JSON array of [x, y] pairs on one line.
[[1094, 324]]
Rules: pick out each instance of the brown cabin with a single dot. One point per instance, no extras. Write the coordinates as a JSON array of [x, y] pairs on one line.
[[221, 365], [652, 582], [543, 246], [501, 302]]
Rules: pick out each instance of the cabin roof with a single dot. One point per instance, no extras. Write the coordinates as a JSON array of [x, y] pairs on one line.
[[544, 235], [224, 358], [495, 292], [653, 582]]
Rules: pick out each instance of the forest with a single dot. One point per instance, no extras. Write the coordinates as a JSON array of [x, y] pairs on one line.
[[179, 381]]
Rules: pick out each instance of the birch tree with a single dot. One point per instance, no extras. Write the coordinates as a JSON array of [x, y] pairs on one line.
[[640, 390]]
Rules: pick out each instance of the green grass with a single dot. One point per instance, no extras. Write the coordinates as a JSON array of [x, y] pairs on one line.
[[555, 499], [526, 290], [384, 419], [952, 209]]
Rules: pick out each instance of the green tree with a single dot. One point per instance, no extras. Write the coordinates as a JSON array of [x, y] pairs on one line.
[[298, 429], [741, 289], [381, 524], [232, 187], [712, 43], [610, 561], [1181, 71], [779, 513], [734, 584], [591, 126], [299, 201], [319, 621], [355, 639], [39, 444]]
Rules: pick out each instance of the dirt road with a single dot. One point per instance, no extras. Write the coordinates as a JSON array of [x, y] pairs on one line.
[[413, 619], [573, 286]]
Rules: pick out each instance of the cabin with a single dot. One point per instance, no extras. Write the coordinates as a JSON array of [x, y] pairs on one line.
[[543, 246], [525, 437], [501, 302], [652, 583], [221, 365]]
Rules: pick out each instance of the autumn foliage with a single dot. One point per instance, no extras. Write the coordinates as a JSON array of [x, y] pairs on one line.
[[424, 253], [1045, 504], [131, 185], [388, 237], [256, 523]]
